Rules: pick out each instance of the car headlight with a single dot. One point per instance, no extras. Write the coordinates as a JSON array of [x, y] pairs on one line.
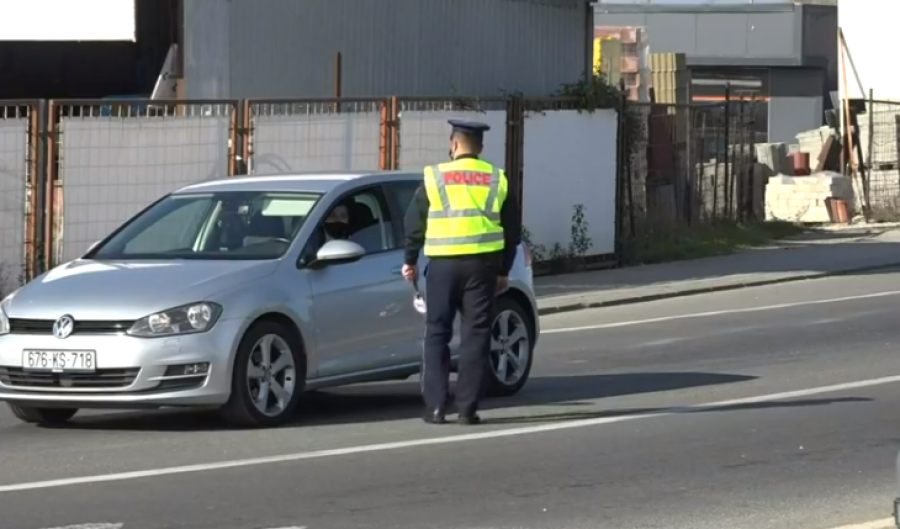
[[4, 322], [189, 319]]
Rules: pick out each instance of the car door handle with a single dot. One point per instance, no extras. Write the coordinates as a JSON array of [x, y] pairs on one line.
[[397, 270]]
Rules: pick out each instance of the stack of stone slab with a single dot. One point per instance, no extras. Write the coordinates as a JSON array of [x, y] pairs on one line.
[[812, 142], [805, 198], [774, 157]]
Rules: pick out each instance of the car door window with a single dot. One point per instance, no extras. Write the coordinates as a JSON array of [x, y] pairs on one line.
[[370, 223]]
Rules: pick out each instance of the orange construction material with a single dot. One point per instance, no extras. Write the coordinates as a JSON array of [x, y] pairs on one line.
[[838, 211]]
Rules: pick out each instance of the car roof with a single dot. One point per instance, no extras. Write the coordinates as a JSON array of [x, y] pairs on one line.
[[318, 182]]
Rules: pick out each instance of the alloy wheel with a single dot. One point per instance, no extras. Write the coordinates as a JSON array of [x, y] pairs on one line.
[[271, 375], [510, 347]]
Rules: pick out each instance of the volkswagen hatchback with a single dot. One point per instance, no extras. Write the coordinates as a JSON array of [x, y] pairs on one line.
[[235, 294]]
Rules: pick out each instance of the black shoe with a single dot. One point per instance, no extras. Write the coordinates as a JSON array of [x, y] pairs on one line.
[[434, 417], [469, 419]]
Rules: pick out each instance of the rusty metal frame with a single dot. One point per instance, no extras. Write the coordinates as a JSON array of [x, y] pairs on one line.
[[51, 198], [302, 100], [147, 102], [233, 153], [394, 135], [246, 134], [33, 159], [452, 99], [178, 105], [397, 103], [54, 194], [336, 104], [34, 148], [384, 135]]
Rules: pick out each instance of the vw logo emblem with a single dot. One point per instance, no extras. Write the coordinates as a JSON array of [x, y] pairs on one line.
[[63, 327]]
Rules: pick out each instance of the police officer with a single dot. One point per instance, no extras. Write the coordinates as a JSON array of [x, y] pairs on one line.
[[467, 222]]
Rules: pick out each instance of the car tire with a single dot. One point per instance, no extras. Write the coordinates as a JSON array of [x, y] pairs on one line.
[[518, 321], [243, 407], [47, 416]]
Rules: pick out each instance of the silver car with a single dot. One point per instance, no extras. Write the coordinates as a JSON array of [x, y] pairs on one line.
[[231, 294]]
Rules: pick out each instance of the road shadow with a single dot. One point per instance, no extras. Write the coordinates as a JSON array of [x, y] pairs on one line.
[[580, 416], [372, 403]]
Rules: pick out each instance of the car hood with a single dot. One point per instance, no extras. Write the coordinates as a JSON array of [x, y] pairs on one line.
[[128, 290]]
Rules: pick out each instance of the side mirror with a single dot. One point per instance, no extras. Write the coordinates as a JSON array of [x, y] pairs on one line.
[[337, 252]]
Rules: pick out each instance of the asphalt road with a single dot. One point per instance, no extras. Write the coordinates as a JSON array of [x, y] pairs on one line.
[[766, 408]]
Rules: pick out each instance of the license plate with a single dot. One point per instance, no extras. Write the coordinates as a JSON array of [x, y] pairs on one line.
[[59, 361]]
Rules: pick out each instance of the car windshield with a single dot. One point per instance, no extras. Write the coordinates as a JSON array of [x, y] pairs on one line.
[[231, 225]]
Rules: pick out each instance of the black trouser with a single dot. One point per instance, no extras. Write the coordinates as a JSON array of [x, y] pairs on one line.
[[466, 285]]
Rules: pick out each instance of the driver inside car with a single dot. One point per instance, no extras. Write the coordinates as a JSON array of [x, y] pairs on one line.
[[337, 224]]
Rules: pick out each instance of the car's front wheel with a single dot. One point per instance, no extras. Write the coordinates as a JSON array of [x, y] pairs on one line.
[[268, 378], [48, 416], [512, 347]]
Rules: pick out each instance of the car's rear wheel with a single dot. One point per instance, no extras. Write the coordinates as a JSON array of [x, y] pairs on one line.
[[48, 416], [512, 348], [268, 378]]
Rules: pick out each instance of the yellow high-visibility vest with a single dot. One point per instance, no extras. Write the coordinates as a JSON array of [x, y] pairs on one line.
[[465, 198]]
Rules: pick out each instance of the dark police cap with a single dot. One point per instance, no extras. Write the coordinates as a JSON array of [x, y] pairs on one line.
[[468, 127]]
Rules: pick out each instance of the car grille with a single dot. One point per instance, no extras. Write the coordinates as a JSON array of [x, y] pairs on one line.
[[20, 326], [102, 378]]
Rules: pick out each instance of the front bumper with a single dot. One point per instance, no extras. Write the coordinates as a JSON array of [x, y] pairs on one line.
[[131, 372]]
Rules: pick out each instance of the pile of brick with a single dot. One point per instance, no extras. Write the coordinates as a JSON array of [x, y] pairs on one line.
[[806, 199]]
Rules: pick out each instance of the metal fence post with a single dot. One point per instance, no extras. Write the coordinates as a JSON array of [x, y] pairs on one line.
[[234, 146], [246, 137], [34, 179], [515, 145], [41, 264], [394, 135], [50, 196]]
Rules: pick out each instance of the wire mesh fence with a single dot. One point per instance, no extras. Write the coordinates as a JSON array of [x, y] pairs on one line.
[[18, 173], [316, 135], [686, 164], [879, 135], [107, 161], [90, 165]]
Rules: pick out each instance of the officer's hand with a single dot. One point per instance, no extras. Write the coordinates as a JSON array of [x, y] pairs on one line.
[[502, 284], [410, 273]]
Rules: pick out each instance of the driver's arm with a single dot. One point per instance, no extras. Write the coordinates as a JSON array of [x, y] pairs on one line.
[[416, 223]]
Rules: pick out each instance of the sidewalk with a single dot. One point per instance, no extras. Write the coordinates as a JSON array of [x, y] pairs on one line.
[[815, 254]]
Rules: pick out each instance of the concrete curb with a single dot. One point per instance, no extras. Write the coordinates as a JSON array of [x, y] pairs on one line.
[[582, 305]]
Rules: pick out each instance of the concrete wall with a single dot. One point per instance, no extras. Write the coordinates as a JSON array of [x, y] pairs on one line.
[[287, 48]]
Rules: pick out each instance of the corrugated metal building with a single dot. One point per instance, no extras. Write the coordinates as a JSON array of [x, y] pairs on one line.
[[287, 48], [782, 51]]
